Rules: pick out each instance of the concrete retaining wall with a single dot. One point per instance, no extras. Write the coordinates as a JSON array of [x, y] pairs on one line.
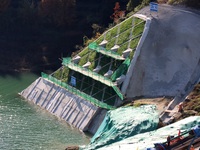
[[63, 104], [168, 59]]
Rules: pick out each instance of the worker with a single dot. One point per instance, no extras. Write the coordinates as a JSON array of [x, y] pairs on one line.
[[180, 107], [192, 147], [168, 140]]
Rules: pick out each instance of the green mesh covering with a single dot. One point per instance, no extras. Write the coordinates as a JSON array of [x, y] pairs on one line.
[[124, 122], [121, 70], [102, 50], [77, 92], [146, 140], [93, 75], [118, 92]]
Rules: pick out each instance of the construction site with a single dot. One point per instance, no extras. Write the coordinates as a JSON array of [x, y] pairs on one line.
[[149, 55]]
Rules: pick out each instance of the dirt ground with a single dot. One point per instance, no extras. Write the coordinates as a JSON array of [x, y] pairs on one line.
[[160, 103]]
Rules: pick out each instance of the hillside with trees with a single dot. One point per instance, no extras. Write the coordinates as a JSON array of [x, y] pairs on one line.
[[36, 33]]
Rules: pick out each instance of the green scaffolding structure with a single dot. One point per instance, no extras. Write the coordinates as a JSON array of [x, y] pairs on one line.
[[77, 92], [102, 50], [121, 70], [67, 62], [96, 73]]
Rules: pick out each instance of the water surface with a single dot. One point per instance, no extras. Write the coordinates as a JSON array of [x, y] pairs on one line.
[[24, 126]]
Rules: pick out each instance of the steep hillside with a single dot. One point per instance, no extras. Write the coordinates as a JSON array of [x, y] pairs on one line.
[[168, 64], [89, 84]]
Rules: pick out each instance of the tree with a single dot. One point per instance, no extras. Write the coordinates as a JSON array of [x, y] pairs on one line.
[[4, 5], [193, 3], [118, 14], [27, 12], [132, 4], [59, 12]]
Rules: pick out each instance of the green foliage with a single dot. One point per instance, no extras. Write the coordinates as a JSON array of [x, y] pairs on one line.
[[108, 35], [61, 74], [100, 39], [126, 25], [57, 74], [114, 31], [93, 87], [111, 43], [111, 37], [91, 59], [84, 52], [124, 37], [123, 47], [84, 56], [65, 73], [142, 4], [83, 60], [132, 4], [137, 104]]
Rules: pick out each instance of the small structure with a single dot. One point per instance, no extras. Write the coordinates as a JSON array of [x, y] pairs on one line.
[[103, 43], [97, 69], [115, 48], [120, 79], [108, 74], [86, 65], [126, 53], [76, 59]]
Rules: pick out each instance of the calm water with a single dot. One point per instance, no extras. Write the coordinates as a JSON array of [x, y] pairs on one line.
[[25, 126]]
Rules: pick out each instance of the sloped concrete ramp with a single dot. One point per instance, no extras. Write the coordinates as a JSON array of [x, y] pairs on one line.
[[71, 108]]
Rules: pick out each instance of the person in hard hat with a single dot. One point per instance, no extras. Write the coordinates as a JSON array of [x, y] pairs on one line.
[[192, 147]]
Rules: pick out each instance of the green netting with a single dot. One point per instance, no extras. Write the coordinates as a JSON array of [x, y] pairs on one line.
[[118, 92], [124, 122], [77, 92], [93, 75], [121, 70], [66, 60], [102, 50], [146, 140]]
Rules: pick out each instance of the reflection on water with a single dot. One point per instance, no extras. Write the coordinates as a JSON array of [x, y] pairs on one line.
[[24, 125]]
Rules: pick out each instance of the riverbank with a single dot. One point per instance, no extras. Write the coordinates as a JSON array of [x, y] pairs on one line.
[[26, 126]]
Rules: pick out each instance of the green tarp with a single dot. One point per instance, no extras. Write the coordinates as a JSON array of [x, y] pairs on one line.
[[124, 122], [146, 140]]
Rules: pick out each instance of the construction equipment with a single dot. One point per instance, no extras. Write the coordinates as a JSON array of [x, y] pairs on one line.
[[181, 142]]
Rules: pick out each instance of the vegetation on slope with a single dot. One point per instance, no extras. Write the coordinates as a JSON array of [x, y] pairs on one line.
[[192, 104]]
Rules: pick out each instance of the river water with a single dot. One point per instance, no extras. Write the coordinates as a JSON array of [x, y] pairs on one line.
[[25, 126]]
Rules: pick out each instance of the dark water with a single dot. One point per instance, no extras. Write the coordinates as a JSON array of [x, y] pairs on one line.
[[25, 126]]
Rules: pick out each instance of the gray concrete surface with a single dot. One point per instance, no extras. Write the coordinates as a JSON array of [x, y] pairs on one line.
[[168, 64], [73, 109]]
